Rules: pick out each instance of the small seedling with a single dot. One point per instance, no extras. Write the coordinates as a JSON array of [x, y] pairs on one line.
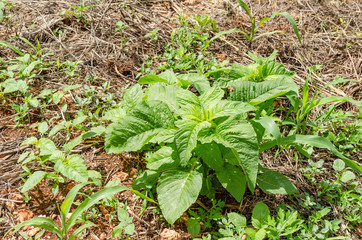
[[250, 37]]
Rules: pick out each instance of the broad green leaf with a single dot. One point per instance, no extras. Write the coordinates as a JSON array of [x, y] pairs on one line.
[[167, 76], [89, 202], [211, 96], [10, 85], [162, 159], [241, 138], [132, 97], [30, 68], [150, 79], [72, 144], [315, 141], [22, 86], [233, 180], [170, 76], [275, 183], [115, 114], [237, 219], [339, 165], [33, 180], [43, 127], [347, 176], [73, 168], [259, 215], [226, 108], [57, 97], [139, 126], [46, 146], [166, 93], [57, 128], [31, 141], [256, 93], [270, 126], [260, 71], [177, 191], [186, 138], [260, 234], [200, 82], [146, 180], [94, 131], [193, 226], [211, 155]]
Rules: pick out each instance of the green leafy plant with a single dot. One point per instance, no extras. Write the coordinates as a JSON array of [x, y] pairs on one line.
[[70, 166], [4, 7], [202, 138], [153, 34], [68, 222], [78, 11], [213, 136], [204, 218], [250, 37]]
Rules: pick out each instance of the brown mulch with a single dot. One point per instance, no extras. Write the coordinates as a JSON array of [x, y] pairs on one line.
[[331, 36]]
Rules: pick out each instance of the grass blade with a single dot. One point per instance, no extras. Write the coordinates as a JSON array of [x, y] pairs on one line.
[[315, 141], [89, 202], [6, 44], [291, 20]]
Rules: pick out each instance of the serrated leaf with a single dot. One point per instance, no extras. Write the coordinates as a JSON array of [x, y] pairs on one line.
[[10, 86], [177, 191], [162, 159], [200, 82], [132, 97], [233, 180], [275, 183], [256, 93], [33, 180], [46, 146], [136, 129], [186, 138], [115, 114], [73, 168], [259, 215], [240, 137]]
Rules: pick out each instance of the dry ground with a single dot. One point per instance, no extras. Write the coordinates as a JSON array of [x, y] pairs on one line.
[[331, 36]]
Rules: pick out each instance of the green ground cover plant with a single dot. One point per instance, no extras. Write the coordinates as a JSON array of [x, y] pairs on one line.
[[195, 138], [195, 127]]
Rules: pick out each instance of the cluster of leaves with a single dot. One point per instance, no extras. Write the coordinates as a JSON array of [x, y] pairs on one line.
[[204, 136], [70, 220], [188, 44]]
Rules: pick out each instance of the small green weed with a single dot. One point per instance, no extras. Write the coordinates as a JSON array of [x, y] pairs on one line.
[[250, 37], [68, 222]]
